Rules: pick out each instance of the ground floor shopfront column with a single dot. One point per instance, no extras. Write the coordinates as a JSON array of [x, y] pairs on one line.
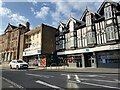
[[83, 60]]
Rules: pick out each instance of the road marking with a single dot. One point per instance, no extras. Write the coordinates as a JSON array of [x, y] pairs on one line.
[[47, 84], [45, 76], [11, 86], [77, 78], [100, 80], [99, 85], [94, 84], [68, 77], [14, 84], [118, 81], [84, 75]]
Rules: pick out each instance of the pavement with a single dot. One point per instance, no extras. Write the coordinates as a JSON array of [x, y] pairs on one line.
[[71, 69]]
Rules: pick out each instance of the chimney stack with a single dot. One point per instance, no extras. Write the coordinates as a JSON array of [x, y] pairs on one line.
[[27, 26]]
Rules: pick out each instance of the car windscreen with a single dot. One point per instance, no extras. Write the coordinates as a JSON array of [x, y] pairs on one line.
[[20, 61]]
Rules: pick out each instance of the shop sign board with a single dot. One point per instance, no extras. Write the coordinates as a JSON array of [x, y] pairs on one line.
[[32, 52]]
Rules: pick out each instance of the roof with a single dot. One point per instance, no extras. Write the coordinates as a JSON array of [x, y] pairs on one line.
[[88, 10], [62, 24], [11, 26], [75, 20], [106, 1], [33, 30]]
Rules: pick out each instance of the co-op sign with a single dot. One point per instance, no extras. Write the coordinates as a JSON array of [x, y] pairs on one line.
[[32, 52]]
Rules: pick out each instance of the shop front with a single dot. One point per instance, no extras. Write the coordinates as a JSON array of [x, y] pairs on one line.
[[72, 60], [108, 59], [34, 58]]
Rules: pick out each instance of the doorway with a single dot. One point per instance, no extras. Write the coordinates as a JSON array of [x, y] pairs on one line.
[[88, 59]]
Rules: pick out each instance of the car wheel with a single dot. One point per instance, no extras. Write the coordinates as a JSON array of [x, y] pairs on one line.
[[10, 67], [17, 67]]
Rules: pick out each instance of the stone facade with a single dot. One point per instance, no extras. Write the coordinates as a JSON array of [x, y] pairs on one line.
[[10, 42]]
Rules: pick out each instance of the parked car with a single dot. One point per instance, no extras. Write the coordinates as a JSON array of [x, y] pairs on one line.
[[18, 64]]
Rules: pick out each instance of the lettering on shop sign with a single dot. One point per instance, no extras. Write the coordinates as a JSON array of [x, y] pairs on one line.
[[115, 46]]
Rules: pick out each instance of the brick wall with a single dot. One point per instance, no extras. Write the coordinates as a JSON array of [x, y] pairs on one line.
[[48, 39]]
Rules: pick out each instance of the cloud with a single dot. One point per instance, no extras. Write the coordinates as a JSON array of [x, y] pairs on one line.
[[42, 13], [72, 8], [16, 18], [34, 2], [13, 17], [1, 31], [4, 11]]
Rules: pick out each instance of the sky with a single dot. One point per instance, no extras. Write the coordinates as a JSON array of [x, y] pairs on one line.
[[43, 11]]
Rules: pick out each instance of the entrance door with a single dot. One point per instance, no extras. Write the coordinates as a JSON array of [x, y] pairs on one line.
[[88, 59]]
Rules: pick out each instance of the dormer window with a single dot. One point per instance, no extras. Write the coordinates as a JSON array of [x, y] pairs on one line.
[[88, 20], [108, 12], [71, 26], [60, 29]]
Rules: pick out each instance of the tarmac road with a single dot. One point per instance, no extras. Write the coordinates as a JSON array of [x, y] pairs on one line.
[[38, 79]]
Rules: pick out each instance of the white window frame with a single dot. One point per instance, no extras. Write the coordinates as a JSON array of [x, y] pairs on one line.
[[108, 12], [88, 20], [110, 33]]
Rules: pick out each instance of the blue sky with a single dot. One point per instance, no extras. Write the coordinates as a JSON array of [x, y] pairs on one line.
[[50, 13]]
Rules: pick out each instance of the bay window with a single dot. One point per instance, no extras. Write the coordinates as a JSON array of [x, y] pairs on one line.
[[110, 33], [91, 37]]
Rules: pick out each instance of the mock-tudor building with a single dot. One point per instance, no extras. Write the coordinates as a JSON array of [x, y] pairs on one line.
[[92, 41], [10, 42]]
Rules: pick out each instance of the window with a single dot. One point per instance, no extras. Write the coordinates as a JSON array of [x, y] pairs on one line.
[[14, 44], [71, 26], [110, 33], [108, 12], [88, 20], [72, 42], [90, 37], [37, 43], [15, 34], [38, 35], [33, 45], [33, 36]]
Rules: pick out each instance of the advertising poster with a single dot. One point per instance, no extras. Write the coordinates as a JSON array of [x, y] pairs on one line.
[[43, 62]]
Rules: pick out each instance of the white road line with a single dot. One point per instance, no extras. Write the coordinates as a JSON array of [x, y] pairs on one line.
[[77, 78], [100, 80], [45, 76], [99, 85], [68, 77], [47, 84], [14, 84], [85, 75], [94, 84]]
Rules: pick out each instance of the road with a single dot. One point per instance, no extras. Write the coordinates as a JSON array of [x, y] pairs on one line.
[[38, 79]]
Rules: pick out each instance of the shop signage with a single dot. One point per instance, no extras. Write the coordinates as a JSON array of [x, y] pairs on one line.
[[32, 52], [115, 46]]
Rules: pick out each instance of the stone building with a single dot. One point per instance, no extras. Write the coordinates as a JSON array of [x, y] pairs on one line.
[[92, 41], [10, 42]]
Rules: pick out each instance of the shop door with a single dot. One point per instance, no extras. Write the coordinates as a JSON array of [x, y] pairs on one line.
[[88, 59]]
